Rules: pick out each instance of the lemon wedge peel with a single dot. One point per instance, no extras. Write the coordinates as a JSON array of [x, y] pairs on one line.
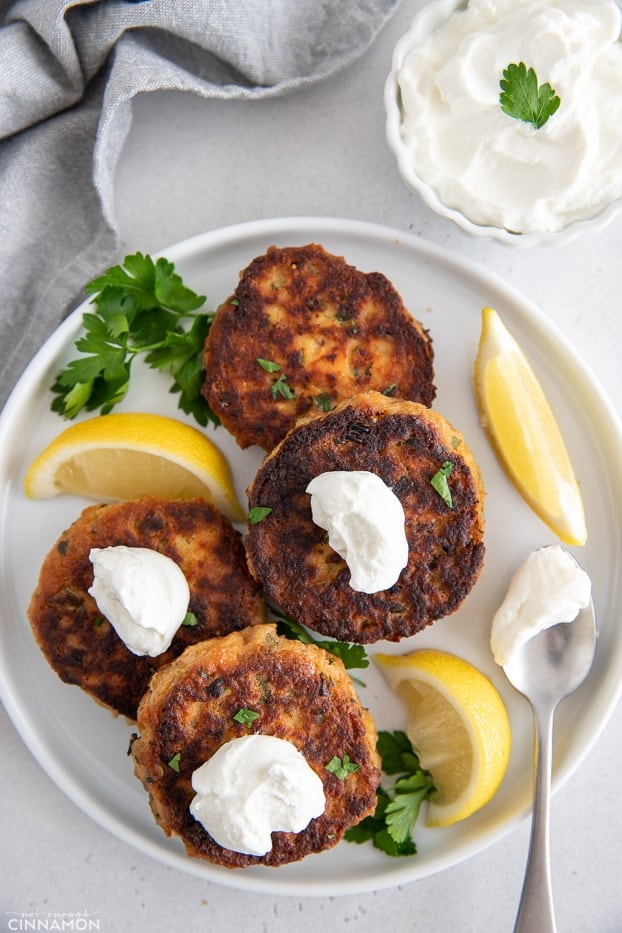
[[524, 432], [125, 455], [458, 726]]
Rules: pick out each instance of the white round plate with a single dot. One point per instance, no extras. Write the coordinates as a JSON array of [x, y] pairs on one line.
[[84, 748]]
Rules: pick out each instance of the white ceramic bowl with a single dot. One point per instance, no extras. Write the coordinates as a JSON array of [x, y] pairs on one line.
[[424, 24]]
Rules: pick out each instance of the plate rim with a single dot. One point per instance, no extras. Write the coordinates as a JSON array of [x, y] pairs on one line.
[[185, 249]]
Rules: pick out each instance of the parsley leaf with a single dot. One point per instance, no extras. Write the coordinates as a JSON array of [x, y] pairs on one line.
[[268, 366], [374, 829], [175, 762], [140, 306], [440, 484], [246, 716], [392, 824], [324, 401], [281, 387], [190, 620], [342, 767], [258, 513], [396, 753], [181, 354], [401, 813], [523, 99], [351, 655]]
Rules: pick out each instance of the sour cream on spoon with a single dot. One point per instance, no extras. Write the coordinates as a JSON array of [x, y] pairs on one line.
[[548, 588]]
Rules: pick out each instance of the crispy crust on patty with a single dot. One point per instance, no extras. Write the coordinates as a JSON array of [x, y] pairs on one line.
[[82, 646], [332, 330], [302, 694], [405, 444]]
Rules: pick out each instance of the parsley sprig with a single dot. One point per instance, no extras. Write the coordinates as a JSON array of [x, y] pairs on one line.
[[351, 655], [522, 98], [143, 308], [391, 826]]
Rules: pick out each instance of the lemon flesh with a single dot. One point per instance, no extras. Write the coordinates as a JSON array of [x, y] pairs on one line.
[[458, 726], [122, 456], [524, 432]]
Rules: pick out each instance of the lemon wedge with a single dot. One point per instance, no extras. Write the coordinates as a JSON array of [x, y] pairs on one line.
[[458, 726], [523, 431], [122, 456]]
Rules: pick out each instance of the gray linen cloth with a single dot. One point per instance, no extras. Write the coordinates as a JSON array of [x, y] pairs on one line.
[[69, 70]]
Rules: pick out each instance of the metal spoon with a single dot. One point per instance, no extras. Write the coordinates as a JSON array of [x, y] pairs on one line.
[[546, 669]]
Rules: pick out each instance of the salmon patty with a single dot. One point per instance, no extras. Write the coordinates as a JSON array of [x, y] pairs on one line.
[[301, 693], [302, 331], [405, 444], [83, 647]]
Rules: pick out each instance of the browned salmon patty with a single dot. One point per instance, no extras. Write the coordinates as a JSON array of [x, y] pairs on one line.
[[302, 331], [405, 444], [82, 646], [301, 693]]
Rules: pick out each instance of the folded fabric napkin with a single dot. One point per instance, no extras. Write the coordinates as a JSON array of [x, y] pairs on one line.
[[69, 70]]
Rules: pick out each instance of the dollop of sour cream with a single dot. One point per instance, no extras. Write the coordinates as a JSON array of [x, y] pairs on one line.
[[549, 587], [494, 168], [143, 594], [253, 786], [365, 523]]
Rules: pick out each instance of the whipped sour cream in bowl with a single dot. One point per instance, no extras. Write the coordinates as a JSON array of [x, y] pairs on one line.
[[506, 115]]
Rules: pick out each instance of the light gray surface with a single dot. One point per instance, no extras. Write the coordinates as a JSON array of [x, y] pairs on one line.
[[191, 165]]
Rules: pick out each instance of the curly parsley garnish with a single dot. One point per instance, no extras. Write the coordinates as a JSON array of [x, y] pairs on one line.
[[522, 98], [142, 308], [391, 827]]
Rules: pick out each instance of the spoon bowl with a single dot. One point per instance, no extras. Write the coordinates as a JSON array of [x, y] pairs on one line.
[[547, 668], [556, 662]]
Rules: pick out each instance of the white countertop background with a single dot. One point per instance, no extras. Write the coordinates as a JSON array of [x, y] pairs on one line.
[[190, 166]]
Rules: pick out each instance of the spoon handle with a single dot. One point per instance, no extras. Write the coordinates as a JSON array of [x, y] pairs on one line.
[[535, 911]]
